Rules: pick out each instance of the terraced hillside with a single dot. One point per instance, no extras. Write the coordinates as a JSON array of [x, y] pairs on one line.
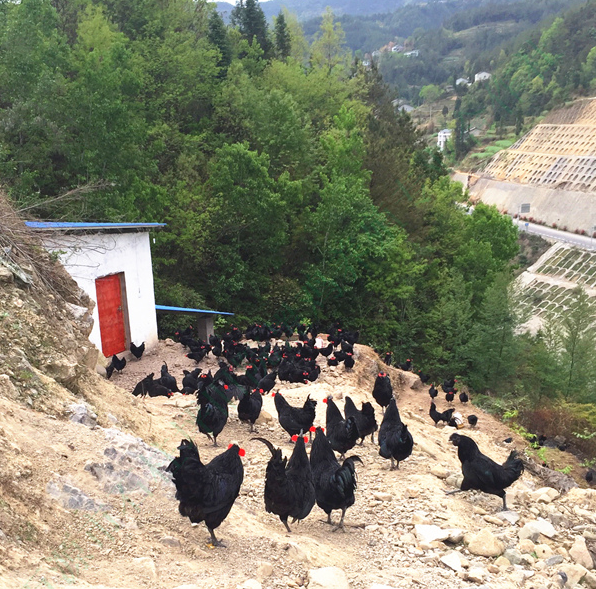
[[552, 168], [546, 288]]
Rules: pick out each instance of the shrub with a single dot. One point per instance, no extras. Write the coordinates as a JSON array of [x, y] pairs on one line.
[[554, 225]]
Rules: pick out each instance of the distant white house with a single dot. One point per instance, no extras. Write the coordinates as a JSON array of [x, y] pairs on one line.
[[482, 76], [376, 53], [443, 137], [111, 262], [462, 81], [366, 63], [414, 53], [397, 48], [406, 108]]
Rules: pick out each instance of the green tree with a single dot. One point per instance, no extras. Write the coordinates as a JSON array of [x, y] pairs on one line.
[[218, 36], [578, 354], [328, 49], [248, 16], [283, 40]]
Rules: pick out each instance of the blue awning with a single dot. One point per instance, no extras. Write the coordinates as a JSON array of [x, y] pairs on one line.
[[91, 227], [166, 309]]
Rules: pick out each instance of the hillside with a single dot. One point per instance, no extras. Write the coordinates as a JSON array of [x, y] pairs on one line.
[[85, 500]]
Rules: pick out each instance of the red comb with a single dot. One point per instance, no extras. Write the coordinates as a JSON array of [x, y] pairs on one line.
[[273, 394], [323, 429], [294, 438], [306, 439], [325, 400], [229, 446], [261, 391], [312, 428], [226, 387], [241, 452]]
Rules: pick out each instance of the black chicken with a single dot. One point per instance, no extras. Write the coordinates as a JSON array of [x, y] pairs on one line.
[[151, 388], [382, 390], [436, 416], [349, 362], [137, 351], [472, 420], [449, 397], [332, 361], [213, 412], [289, 487], [334, 483], [341, 433], [433, 392], [295, 420], [118, 363], [463, 397], [407, 365], [249, 408], [395, 440], [365, 419], [167, 380], [207, 491], [388, 358], [482, 473], [267, 383]]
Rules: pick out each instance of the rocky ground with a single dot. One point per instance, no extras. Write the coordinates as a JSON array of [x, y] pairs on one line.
[[85, 500]]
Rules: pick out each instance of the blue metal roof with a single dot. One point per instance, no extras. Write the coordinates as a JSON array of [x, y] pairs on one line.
[[185, 310], [63, 226]]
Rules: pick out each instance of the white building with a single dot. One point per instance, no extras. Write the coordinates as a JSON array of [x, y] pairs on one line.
[[111, 262], [443, 137], [482, 76], [462, 81], [406, 108], [413, 53]]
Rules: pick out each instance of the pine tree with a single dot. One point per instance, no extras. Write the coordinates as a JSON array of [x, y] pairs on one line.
[[250, 20], [283, 41], [218, 36]]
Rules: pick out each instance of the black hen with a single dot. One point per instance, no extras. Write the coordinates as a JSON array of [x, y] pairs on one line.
[[295, 420], [433, 392], [383, 391], [137, 351], [249, 408], [463, 397], [207, 491], [289, 487], [472, 420], [213, 412], [335, 484], [365, 419], [118, 363], [341, 433], [436, 416], [395, 440], [482, 473], [167, 380]]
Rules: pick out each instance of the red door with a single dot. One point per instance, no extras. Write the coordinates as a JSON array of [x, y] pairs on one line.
[[111, 314]]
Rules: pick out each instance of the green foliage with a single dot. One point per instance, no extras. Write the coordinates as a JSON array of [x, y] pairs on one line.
[[283, 40]]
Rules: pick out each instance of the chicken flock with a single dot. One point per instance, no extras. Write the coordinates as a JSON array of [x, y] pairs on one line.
[[207, 492]]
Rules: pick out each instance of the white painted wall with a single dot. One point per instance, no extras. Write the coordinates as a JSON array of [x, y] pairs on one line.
[[87, 257]]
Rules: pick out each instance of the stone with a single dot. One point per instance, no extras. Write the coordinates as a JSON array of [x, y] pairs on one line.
[[62, 370], [169, 342], [502, 562], [327, 578], [170, 541], [575, 573], [439, 472], [144, 566], [534, 528], [512, 555], [383, 496], [509, 516], [454, 480], [554, 560], [484, 543], [579, 553], [590, 580], [250, 584], [263, 418], [452, 560], [543, 551], [428, 534], [6, 275], [526, 546], [477, 575], [296, 553], [419, 517], [491, 519], [71, 497], [264, 570], [80, 413], [7, 389]]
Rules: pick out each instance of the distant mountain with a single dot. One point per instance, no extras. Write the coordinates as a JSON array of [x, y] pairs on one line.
[[305, 9]]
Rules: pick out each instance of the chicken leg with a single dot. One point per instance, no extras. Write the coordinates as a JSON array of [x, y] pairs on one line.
[[340, 525], [214, 541]]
